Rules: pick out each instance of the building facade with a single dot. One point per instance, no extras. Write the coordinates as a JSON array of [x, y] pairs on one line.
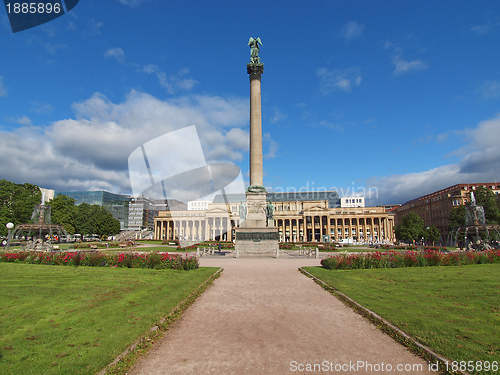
[[116, 204], [141, 214], [435, 208], [299, 217]]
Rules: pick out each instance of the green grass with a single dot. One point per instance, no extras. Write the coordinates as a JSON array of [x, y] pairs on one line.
[[149, 242], [161, 249], [67, 320], [453, 310]]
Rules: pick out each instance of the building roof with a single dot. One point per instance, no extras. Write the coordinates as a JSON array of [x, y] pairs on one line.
[[331, 196], [450, 188]]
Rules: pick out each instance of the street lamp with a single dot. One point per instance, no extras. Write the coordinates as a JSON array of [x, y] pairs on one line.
[[9, 227]]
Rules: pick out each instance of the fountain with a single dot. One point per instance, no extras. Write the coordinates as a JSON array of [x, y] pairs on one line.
[[476, 235], [40, 231]]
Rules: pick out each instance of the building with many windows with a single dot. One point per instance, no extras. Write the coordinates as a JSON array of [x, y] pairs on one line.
[[435, 208], [116, 204], [141, 213], [299, 217]]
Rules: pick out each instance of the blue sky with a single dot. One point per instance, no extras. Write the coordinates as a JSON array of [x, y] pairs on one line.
[[399, 98]]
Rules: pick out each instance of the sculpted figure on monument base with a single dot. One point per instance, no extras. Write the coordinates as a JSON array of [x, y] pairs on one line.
[[243, 211], [255, 207]]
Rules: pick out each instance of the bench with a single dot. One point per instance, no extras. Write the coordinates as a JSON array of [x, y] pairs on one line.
[[122, 245], [93, 247]]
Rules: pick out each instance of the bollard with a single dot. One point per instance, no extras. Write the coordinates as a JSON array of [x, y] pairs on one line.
[[278, 252], [317, 253], [198, 252]]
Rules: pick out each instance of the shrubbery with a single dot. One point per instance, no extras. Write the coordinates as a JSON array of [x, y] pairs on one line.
[[394, 259], [134, 260]]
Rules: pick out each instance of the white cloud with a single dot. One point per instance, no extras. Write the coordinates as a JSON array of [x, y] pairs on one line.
[[326, 124], [116, 53], [132, 3], [53, 48], [277, 116], [485, 28], [272, 146], [335, 80], [41, 107], [95, 27], [90, 151], [489, 89], [175, 82], [352, 30], [402, 66], [23, 120], [480, 163], [3, 90]]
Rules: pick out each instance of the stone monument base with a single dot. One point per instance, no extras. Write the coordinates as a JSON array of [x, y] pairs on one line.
[[257, 242]]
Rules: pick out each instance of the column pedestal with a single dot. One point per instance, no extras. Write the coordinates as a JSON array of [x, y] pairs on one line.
[[254, 237]]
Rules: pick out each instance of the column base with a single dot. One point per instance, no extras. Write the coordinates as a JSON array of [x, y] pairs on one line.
[[257, 242]]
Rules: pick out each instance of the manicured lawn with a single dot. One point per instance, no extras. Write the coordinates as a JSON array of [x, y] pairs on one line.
[[142, 249], [67, 320], [453, 310]]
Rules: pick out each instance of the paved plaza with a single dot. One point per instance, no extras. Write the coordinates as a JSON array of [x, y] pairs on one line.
[[262, 316]]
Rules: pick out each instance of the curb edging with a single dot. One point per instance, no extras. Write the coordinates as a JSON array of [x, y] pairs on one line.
[[397, 334], [164, 323]]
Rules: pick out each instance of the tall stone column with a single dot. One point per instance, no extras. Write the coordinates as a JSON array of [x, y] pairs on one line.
[[256, 167], [256, 235], [256, 193]]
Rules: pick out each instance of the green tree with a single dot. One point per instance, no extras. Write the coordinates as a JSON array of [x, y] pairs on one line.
[[486, 198], [17, 202], [83, 219], [411, 228], [63, 211], [457, 217], [95, 219], [105, 224], [432, 234]]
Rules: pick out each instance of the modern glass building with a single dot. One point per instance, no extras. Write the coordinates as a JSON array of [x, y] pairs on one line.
[[117, 204], [297, 196]]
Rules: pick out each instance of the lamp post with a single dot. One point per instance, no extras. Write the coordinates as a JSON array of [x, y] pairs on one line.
[[9, 227]]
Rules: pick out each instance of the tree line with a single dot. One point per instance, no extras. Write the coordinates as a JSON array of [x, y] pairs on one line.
[[84, 218], [17, 202]]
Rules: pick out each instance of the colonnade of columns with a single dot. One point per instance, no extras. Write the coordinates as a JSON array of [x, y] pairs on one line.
[[206, 229], [322, 228], [307, 228]]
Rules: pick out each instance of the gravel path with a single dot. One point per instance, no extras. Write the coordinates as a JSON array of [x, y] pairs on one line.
[[262, 316]]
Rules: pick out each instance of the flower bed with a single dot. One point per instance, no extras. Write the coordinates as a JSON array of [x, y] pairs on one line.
[[394, 259], [129, 260]]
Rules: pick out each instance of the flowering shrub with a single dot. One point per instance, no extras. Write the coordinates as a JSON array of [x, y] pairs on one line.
[[187, 248], [393, 259], [129, 260]]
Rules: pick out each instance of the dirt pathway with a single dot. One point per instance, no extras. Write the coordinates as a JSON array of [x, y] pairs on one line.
[[262, 316]]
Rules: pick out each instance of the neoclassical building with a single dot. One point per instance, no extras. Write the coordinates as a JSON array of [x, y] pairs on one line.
[[299, 216]]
